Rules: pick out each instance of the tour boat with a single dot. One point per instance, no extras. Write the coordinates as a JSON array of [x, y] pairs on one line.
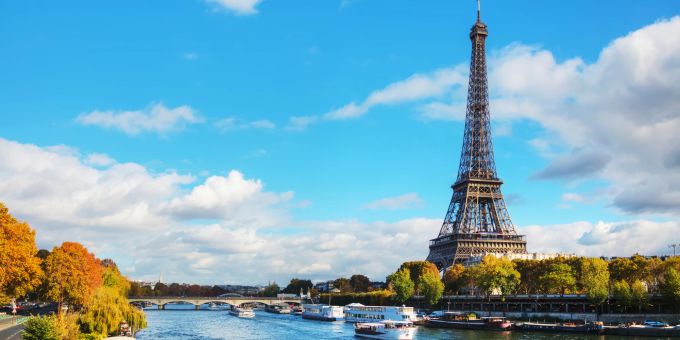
[[463, 321], [278, 308], [596, 327], [242, 312], [322, 312], [394, 330], [298, 310], [357, 312]]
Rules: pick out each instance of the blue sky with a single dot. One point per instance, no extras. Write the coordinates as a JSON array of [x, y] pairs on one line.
[[243, 69]]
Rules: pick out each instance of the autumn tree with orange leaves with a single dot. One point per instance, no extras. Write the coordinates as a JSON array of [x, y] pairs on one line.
[[72, 274], [20, 270]]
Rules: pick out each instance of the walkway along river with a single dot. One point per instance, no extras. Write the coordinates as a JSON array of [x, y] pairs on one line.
[[183, 322]]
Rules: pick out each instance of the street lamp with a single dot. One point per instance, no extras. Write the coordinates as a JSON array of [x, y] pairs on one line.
[[673, 246]]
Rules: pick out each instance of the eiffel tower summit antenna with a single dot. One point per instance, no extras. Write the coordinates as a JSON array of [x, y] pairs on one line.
[[479, 10], [477, 221]]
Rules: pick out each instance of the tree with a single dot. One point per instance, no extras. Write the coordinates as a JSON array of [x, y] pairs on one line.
[[20, 270], [622, 294], [530, 271], [360, 283], [418, 268], [454, 278], [595, 279], [559, 277], [639, 294], [623, 269], [271, 290], [431, 287], [342, 284], [40, 328], [496, 275], [296, 285], [401, 284], [106, 310], [73, 274], [671, 287]]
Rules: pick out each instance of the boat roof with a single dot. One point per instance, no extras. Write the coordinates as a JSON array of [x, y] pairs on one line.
[[354, 304]]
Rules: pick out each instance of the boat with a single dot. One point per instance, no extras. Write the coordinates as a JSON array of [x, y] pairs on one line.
[[388, 329], [646, 329], [594, 327], [470, 321], [357, 312], [298, 310], [276, 308], [242, 312], [322, 312]]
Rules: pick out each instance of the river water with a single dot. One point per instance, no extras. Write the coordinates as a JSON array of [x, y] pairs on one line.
[[183, 322]]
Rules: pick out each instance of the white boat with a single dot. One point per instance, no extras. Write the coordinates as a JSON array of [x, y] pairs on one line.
[[242, 312], [395, 330], [323, 312], [279, 308], [357, 312]]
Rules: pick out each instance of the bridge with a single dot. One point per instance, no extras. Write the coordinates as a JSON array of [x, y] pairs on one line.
[[161, 301]]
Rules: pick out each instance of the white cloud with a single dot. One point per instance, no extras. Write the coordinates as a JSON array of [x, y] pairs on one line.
[[157, 118], [573, 197], [222, 229], [232, 123], [602, 238], [240, 7], [99, 159], [405, 201]]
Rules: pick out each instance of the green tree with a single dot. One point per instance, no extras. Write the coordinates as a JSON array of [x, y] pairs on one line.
[[622, 294], [623, 269], [639, 294], [431, 287], [296, 284], [595, 279], [343, 285], [417, 269], [559, 277], [73, 274], [401, 284], [40, 328], [454, 278], [671, 287], [496, 275], [360, 283], [530, 271], [271, 290], [20, 270], [107, 310]]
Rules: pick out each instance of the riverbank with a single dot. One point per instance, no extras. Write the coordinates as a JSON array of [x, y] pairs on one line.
[[609, 318]]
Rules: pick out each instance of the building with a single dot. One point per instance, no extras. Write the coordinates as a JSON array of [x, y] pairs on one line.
[[477, 220], [324, 287]]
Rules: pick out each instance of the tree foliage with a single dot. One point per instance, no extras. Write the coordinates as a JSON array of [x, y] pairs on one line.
[[296, 284], [495, 275], [671, 287], [360, 283], [595, 279], [559, 278], [343, 285], [622, 294], [417, 269], [271, 290], [454, 279], [639, 294], [401, 284], [431, 287], [107, 310], [73, 274], [20, 270], [40, 328]]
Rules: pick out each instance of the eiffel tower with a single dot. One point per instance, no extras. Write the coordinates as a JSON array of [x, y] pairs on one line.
[[477, 220]]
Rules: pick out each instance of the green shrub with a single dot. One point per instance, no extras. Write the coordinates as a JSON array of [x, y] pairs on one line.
[[40, 328]]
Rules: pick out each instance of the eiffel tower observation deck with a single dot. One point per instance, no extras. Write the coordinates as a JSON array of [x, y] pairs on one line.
[[477, 220]]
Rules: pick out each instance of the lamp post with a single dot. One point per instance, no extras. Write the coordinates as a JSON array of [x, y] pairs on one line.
[[673, 246]]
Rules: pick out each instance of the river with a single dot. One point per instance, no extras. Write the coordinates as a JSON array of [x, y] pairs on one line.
[[183, 322]]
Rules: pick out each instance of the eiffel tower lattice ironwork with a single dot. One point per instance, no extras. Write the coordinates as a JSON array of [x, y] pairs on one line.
[[477, 221]]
